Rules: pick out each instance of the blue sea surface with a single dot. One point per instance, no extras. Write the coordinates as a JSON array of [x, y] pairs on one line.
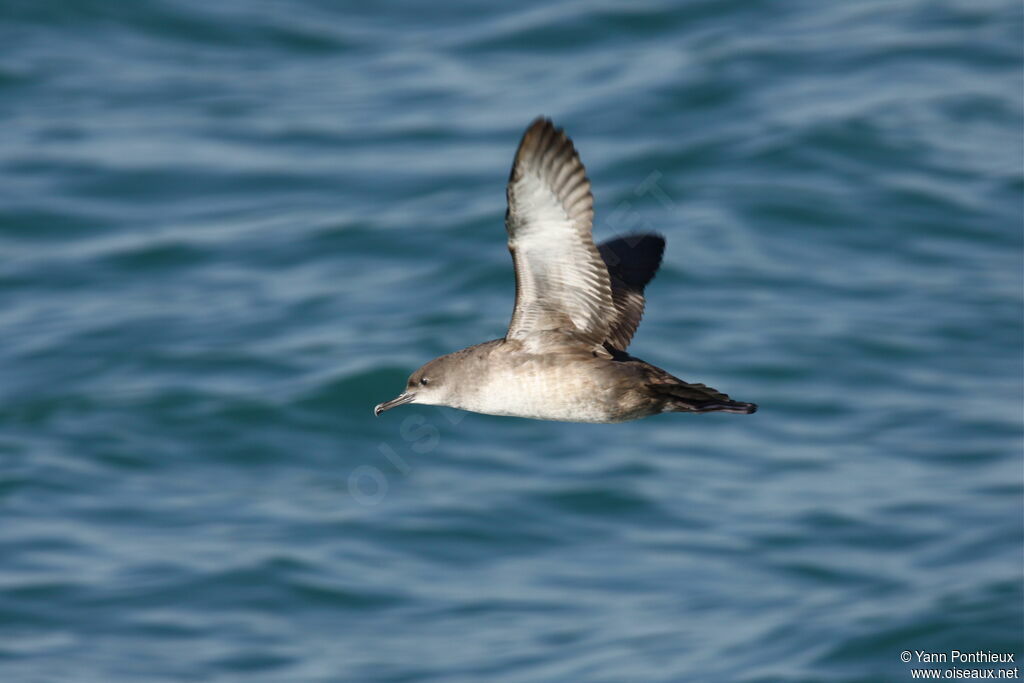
[[228, 229]]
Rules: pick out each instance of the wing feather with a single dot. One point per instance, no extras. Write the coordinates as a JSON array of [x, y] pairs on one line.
[[562, 284], [632, 262]]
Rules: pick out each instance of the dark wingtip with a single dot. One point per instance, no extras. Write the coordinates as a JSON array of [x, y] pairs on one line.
[[539, 129], [633, 259], [542, 134], [540, 122]]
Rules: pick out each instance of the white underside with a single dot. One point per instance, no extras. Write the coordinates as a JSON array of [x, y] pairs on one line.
[[551, 393]]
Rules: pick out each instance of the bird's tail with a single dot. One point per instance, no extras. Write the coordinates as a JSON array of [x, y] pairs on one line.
[[697, 398]]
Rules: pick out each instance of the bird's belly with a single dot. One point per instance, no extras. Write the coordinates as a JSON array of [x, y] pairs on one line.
[[564, 393]]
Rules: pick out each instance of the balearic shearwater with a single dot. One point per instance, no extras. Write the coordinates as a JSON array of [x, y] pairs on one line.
[[577, 307]]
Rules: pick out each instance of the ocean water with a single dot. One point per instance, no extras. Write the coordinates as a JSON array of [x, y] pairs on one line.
[[228, 229]]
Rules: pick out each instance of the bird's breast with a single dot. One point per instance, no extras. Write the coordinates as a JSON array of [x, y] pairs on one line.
[[545, 388]]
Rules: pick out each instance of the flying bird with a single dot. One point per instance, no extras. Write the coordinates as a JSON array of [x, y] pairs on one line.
[[577, 307]]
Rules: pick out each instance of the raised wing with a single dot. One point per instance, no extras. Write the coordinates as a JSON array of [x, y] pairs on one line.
[[561, 281], [632, 262]]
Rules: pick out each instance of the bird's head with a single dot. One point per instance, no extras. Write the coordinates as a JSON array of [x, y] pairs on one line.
[[427, 385]]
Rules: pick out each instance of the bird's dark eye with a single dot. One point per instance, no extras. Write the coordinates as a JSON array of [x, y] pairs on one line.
[[424, 381]]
